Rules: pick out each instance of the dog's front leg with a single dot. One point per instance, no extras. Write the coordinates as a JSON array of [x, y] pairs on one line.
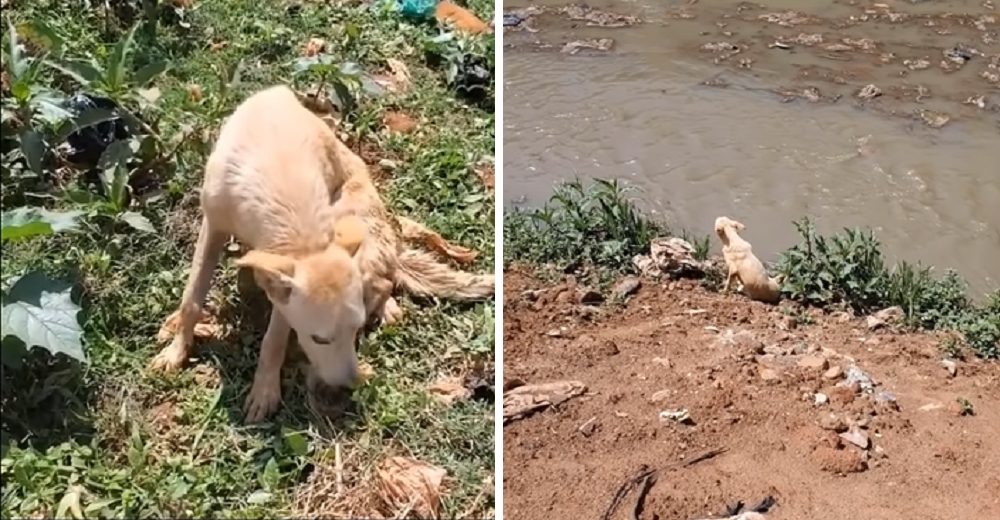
[[206, 255], [729, 280], [265, 394]]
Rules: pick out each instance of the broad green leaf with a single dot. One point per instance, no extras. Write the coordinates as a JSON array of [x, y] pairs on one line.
[[49, 107], [70, 503], [117, 153], [41, 313], [86, 74], [86, 119], [271, 476], [296, 442], [26, 222], [33, 148], [16, 64], [138, 221], [149, 73]]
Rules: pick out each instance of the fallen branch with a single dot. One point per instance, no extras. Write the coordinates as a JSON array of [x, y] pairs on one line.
[[524, 400], [642, 476]]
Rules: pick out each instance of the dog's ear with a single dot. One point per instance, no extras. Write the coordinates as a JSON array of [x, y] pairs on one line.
[[738, 225], [272, 272], [349, 232]]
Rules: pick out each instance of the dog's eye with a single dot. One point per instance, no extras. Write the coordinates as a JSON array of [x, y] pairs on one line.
[[321, 340]]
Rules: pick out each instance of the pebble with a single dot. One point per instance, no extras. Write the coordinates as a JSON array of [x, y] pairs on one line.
[[834, 372], [832, 422], [821, 399], [769, 374], [951, 366], [626, 287], [814, 363], [856, 437]]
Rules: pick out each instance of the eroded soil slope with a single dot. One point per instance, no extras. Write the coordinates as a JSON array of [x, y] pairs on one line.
[[748, 374]]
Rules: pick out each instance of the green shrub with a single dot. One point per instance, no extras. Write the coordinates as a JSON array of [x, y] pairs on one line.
[[594, 225], [843, 268]]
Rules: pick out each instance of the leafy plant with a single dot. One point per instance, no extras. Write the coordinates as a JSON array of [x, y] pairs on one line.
[[343, 79], [581, 225], [843, 268], [38, 311], [116, 77]]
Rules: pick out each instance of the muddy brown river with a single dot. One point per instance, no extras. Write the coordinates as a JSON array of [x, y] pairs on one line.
[[875, 114]]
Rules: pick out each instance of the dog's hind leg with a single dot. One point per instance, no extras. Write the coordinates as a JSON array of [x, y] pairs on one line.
[[206, 255], [417, 232], [265, 394]]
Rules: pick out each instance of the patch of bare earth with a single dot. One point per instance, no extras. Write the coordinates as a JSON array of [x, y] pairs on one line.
[[781, 396]]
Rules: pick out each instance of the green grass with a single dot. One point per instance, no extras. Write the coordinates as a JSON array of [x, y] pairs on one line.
[[595, 230], [127, 443]]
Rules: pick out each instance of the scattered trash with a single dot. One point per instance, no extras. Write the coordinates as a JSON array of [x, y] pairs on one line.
[[512, 20], [951, 366], [934, 119], [678, 416], [869, 92], [857, 376], [597, 44], [598, 18], [409, 487], [417, 10], [522, 401], [888, 316], [670, 256], [919, 64], [959, 54], [87, 144], [473, 78]]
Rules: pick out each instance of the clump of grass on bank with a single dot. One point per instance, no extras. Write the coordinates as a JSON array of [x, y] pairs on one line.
[[103, 438], [581, 226], [599, 227]]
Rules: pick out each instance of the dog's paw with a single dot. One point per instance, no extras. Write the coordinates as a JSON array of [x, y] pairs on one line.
[[171, 358], [169, 328], [391, 312], [263, 400]]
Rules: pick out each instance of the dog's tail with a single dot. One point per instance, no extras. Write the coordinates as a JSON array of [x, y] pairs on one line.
[[421, 274]]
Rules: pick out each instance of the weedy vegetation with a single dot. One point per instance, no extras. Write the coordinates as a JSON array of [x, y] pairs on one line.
[[109, 111], [599, 227]]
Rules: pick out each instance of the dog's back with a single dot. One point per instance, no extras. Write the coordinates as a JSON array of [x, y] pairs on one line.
[[266, 180]]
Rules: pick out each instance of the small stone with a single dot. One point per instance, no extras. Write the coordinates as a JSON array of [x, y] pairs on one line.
[[857, 376], [821, 399], [815, 363], [769, 375], [591, 297], [834, 372], [659, 396], [842, 395], [832, 422], [839, 461], [587, 428], [856, 437], [626, 287], [889, 316], [608, 348], [951, 366]]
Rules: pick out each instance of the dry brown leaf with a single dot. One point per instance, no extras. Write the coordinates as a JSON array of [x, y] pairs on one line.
[[415, 231], [398, 122], [409, 488], [448, 390], [486, 175], [396, 79], [313, 47], [205, 328], [195, 93]]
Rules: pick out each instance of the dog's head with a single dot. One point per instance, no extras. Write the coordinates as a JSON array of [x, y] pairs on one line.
[[721, 223], [322, 297]]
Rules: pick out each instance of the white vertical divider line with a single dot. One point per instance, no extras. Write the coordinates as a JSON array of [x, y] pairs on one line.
[[498, 258]]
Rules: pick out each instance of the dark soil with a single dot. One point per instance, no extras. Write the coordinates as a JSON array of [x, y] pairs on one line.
[[747, 373]]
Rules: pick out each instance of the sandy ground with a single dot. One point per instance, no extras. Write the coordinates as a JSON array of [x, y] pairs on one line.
[[748, 375]]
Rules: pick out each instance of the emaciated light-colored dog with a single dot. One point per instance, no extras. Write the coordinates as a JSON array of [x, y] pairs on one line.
[[743, 265], [272, 181]]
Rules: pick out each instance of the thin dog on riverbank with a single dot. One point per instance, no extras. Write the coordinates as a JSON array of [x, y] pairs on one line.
[[743, 265]]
